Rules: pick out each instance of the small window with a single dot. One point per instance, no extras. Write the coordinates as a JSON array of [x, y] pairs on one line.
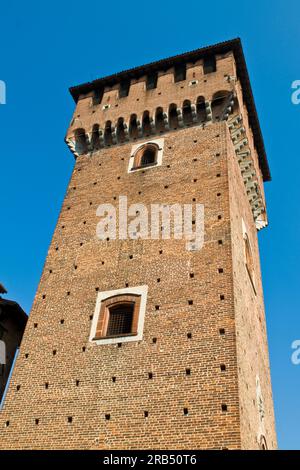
[[119, 316], [179, 72], [209, 64], [145, 156], [124, 89], [249, 260], [97, 96], [151, 81]]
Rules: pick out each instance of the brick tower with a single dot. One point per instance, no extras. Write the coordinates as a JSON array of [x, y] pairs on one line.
[[140, 342]]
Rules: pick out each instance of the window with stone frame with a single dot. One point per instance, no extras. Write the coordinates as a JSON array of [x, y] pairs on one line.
[[145, 156], [118, 316]]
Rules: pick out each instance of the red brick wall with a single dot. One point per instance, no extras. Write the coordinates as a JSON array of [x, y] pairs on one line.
[[80, 381]]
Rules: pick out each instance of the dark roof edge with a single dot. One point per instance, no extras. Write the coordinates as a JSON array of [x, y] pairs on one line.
[[234, 45], [16, 307]]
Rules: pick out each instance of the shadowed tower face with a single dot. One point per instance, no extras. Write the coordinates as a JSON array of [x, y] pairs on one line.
[[140, 338]]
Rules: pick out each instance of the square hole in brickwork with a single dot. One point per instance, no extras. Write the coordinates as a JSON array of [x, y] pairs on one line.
[[219, 217], [119, 345], [188, 371], [222, 331], [54, 352], [150, 375], [158, 279], [107, 416], [83, 349], [46, 385], [37, 421], [26, 356], [224, 407], [77, 383], [218, 194], [190, 302], [70, 419], [154, 340], [222, 297], [146, 414], [189, 335], [185, 411], [218, 175], [220, 270], [220, 242], [156, 307], [7, 424], [192, 275], [18, 387], [222, 367], [160, 252], [35, 325], [114, 379], [44, 296], [130, 256], [62, 321]]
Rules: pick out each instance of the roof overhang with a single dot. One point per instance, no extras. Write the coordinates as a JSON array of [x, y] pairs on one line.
[[233, 45]]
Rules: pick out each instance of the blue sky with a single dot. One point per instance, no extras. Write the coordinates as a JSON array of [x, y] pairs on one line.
[[46, 47]]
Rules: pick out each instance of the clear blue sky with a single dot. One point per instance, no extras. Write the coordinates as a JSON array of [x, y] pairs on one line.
[[46, 48]]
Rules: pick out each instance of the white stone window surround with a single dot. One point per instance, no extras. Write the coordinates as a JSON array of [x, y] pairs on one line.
[[136, 147], [142, 291]]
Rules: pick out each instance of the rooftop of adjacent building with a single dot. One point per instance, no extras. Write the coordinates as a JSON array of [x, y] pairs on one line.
[[233, 45], [10, 307]]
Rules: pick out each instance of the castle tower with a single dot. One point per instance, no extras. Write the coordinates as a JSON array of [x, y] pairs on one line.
[[138, 342]]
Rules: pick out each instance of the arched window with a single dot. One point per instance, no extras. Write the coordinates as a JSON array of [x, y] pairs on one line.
[[146, 155], [219, 103], [159, 120], [120, 130], [118, 316], [81, 143], [146, 124], [95, 140], [249, 259], [133, 128], [173, 116], [107, 134], [201, 109], [187, 113], [263, 443]]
